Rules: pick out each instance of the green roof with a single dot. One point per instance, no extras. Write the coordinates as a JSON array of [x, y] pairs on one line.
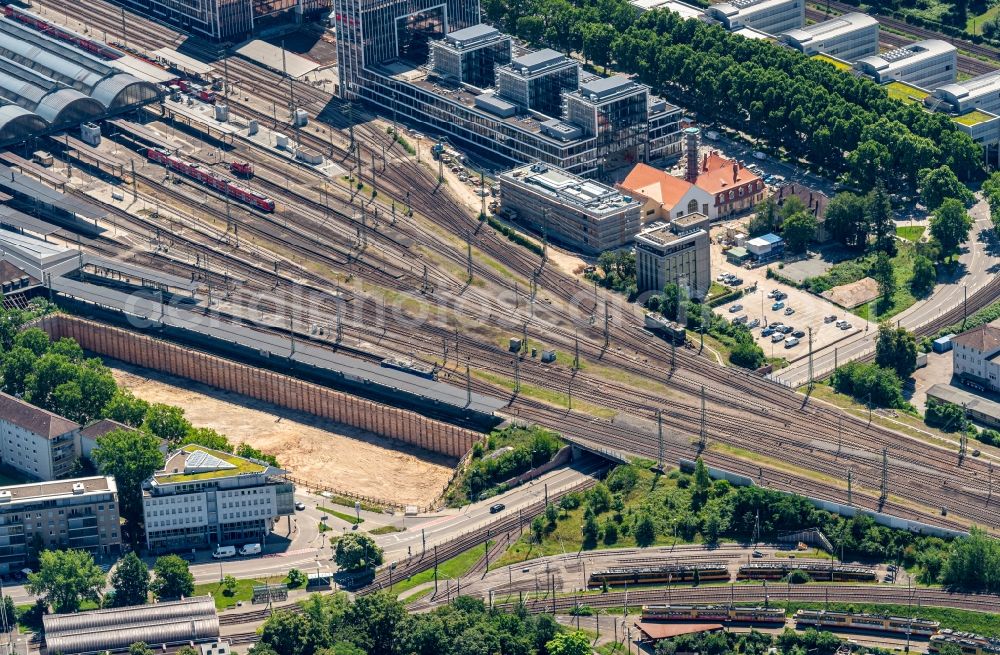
[[176, 460], [905, 92], [836, 63], [974, 117]]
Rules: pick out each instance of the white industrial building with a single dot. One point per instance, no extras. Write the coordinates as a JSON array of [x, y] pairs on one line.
[[583, 214], [927, 64], [976, 357], [36, 442], [678, 252], [683, 9], [771, 16], [982, 93], [849, 37], [205, 497]]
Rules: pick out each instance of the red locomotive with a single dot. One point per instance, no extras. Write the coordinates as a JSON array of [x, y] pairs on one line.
[[210, 179], [198, 91], [241, 168], [45, 27]]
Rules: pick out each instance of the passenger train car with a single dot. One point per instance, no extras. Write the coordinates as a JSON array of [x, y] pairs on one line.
[[866, 622], [656, 574], [211, 179], [41, 25], [713, 613], [969, 643], [817, 571]]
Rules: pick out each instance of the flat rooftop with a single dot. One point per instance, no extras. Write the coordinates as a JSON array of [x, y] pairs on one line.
[[684, 10], [200, 463], [56, 488], [593, 197], [833, 61], [905, 92], [907, 54], [273, 57], [183, 62], [539, 60], [662, 234], [974, 117], [472, 35], [833, 27], [606, 87], [465, 96]]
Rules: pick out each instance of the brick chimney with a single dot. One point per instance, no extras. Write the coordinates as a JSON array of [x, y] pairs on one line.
[[691, 140], [736, 172]]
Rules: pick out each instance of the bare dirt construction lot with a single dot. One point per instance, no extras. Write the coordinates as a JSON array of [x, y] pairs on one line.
[[317, 451]]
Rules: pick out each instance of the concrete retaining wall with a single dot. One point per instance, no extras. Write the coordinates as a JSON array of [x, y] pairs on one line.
[[268, 386]]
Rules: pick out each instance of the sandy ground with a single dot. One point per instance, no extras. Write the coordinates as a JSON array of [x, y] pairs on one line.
[[318, 451]]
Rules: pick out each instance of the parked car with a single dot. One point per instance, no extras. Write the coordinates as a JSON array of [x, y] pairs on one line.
[[735, 308], [250, 549], [741, 319], [736, 281], [775, 324], [223, 552], [798, 334], [786, 329], [846, 326], [780, 295], [830, 319], [496, 508], [754, 323], [771, 293], [766, 332], [776, 337], [791, 342], [789, 311], [776, 306]]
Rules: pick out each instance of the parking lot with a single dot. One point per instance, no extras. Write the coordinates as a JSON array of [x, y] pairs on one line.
[[809, 311]]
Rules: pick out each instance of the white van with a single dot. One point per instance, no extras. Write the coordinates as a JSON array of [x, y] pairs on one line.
[[250, 549], [223, 552]]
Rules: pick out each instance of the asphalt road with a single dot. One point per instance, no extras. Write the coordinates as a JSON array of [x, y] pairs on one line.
[[979, 263]]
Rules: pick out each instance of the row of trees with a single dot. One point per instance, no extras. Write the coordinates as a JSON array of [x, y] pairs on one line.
[[841, 123], [378, 624], [67, 578]]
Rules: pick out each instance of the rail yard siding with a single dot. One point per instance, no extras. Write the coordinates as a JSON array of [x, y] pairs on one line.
[[281, 390]]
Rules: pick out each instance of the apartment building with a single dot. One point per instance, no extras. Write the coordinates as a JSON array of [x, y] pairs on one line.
[[849, 37], [205, 497], [80, 513], [928, 64], [35, 442], [677, 252], [976, 357], [582, 214], [771, 16]]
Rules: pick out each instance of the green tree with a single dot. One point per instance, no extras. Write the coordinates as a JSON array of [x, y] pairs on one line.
[[66, 578], [938, 184], [645, 530], [296, 578], [171, 578], [17, 366], [229, 585], [924, 276], [287, 633], [537, 529], [569, 643], [188, 650], [248, 451], [798, 230], [702, 485], [377, 619], [167, 422], [946, 417], [551, 515], [896, 349], [130, 581], [126, 408], [765, 220], [974, 563], [208, 438], [878, 214], [885, 276], [846, 220], [950, 226], [591, 531], [531, 28], [597, 38], [671, 302], [356, 551], [34, 339], [140, 648], [131, 457]]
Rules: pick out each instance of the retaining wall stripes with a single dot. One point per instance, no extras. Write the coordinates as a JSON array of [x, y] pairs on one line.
[[260, 384]]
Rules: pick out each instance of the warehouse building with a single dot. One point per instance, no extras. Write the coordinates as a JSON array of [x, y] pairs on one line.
[[583, 214], [927, 64], [47, 85], [771, 16], [982, 93], [677, 252], [80, 513], [36, 442], [849, 37], [206, 497], [471, 56], [982, 410], [191, 620]]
